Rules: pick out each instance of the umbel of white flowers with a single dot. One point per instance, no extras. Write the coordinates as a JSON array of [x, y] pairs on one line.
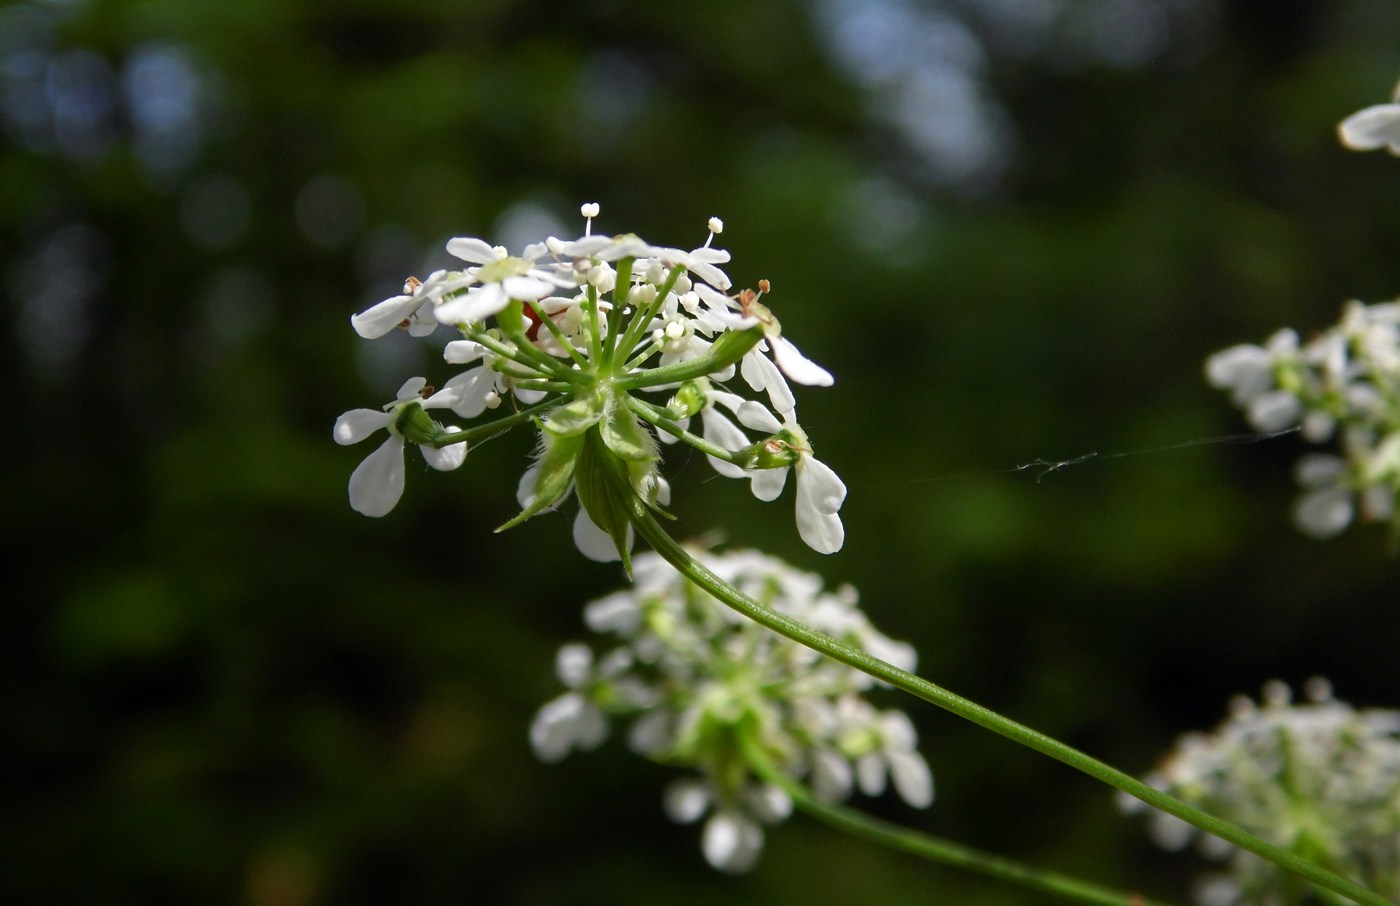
[[693, 677], [1319, 778], [1343, 383], [603, 343]]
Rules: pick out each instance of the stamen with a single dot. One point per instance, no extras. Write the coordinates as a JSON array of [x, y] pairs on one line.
[[589, 210], [716, 227]]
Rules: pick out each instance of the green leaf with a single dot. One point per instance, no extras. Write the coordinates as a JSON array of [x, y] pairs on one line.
[[557, 469]]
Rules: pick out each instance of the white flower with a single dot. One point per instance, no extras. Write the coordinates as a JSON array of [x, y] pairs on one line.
[[1343, 384], [571, 721], [413, 309], [377, 483], [820, 491], [1374, 127], [1326, 509], [702, 262], [1319, 771], [501, 278], [699, 678], [733, 836], [758, 371]]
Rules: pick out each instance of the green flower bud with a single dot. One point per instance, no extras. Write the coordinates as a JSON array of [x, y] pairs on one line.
[[689, 399]]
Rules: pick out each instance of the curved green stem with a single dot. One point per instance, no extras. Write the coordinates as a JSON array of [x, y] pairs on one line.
[[934, 849], [688, 566], [658, 417]]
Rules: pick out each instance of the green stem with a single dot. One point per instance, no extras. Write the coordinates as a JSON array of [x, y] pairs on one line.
[[499, 426], [642, 317], [689, 567], [658, 417], [522, 353], [934, 849], [558, 335]]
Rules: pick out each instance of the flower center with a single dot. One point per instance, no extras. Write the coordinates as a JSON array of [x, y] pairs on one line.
[[496, 271]]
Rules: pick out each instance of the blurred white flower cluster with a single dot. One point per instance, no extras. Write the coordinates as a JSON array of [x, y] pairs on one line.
[[579, 333], [1343, 383], [1319, 778], [695, 679]]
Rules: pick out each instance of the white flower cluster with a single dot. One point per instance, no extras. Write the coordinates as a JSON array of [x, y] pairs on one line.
[[1319, 778], [580, 329], [1374, 127], [694, 677], [1345, 382]]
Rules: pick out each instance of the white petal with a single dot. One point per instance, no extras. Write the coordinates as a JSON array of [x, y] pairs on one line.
[[761, 374], [912, 778], [379, 319], [568, 722], [617, 613], [447, 458], [573, 664], [476, 304], [651, 734], [767, 484], [357, 424], [820, 494], [870, 773], [466, 393], [526, 288], [1247, 369], [797, 366], [463, 352], [410, 389], [1324, 514], [756, 416], [721, 432], [593, 542], [1372, 128], [831, 775], [1274, 411], [469, 248], [686, 800], [377, 483], [525, 490], [1318, 470], [769, 803], [731, 842]]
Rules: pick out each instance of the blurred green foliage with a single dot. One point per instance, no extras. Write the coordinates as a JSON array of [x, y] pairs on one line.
[[1013, 230]]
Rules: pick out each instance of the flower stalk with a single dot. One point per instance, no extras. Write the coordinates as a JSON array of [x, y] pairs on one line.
[[934, 849], [661, 541]]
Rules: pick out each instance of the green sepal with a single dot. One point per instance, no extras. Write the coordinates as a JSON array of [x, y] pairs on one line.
[[777, 452], [604, 490], [576, 417], [415, 425], [689, 400], [624, 435], [557, 468]]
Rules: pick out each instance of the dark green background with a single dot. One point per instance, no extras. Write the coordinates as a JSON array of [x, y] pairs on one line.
[[222, 685]]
